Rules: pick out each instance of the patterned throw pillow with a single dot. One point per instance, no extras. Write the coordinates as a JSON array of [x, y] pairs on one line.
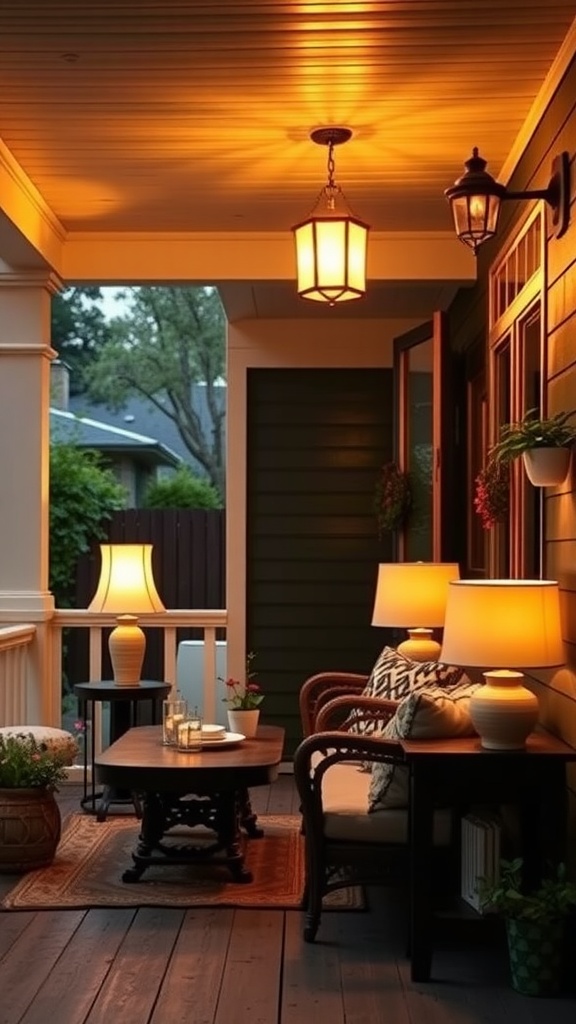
[[394, 677], [423, 715]]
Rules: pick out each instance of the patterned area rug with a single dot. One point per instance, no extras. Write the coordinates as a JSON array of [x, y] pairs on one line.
[[92, 856]]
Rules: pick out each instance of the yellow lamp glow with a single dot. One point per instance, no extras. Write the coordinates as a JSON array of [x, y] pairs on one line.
[[408, 593], [331, 244], [509, 623], [126, 588]]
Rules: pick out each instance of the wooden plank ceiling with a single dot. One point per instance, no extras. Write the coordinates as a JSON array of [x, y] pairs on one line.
[[194, 116]]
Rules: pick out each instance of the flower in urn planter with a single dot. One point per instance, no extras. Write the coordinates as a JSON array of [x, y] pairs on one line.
[[243, 696]]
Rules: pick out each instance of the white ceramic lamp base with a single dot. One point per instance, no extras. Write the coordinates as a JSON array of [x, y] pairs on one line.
[[419, 646], [503, 711], [127, 644]]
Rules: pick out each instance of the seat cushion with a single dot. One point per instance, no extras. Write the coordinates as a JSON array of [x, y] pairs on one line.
[[345, 804], [60, 742], [429, 714]]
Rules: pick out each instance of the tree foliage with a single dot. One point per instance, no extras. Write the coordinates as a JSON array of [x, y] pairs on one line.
[[83, 495], [169, 340], [78, 330], [182, 490]]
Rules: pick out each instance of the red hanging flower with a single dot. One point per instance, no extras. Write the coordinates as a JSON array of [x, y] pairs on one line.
[[393, 498], [492, 492]]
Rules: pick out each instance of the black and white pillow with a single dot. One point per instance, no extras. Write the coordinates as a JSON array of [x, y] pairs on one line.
[[395, 677], [425, 714]]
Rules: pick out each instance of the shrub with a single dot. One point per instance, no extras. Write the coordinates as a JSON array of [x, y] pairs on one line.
[[183, 490], [83, 495]]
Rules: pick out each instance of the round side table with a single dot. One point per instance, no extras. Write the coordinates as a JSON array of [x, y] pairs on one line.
[[124, 701]]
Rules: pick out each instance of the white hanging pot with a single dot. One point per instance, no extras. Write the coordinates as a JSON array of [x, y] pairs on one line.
[[547, 467]]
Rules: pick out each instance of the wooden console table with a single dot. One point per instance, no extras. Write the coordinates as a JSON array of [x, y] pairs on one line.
[[459, 772]]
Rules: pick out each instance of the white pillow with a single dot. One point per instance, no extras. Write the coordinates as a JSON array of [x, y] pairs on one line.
[[60, 742], [424, 715]]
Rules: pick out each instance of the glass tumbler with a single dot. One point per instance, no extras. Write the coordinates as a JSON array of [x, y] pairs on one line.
[[190, 732], [174, 711]]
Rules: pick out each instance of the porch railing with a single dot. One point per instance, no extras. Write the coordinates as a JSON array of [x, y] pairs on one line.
[[17, 656], [15, 643]]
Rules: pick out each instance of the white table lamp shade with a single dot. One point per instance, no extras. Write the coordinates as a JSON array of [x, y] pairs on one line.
[[126, 584], [127, 589], [504, 625], [413, 595]]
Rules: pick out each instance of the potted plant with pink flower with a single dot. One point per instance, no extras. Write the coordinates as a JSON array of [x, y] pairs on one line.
[[243, 699]]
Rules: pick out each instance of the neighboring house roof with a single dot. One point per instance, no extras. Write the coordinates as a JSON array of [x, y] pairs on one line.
[[137, 412], [85, 432]]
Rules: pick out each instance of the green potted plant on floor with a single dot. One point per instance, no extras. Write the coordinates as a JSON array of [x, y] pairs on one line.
[[535, 924], [30, 770], [545, 445]]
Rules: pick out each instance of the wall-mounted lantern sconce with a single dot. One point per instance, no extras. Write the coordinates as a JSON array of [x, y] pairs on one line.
[[475, 199], [331, 243]]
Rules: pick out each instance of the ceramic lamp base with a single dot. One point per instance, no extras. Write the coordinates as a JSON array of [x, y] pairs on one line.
[[503, 711], [419, 646], [127, 644]]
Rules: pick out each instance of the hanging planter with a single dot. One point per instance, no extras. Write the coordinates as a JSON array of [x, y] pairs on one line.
[[393, 499], [544, 444], [492, 494], [547, 467]]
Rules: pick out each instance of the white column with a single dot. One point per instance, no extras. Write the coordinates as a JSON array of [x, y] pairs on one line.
[[25, 356]]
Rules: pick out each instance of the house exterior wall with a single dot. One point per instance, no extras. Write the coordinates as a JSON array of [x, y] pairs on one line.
[[277, 344], [468, 318]]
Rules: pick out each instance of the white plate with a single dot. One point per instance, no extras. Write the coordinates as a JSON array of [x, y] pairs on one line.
[[230, 738], [212, 731]]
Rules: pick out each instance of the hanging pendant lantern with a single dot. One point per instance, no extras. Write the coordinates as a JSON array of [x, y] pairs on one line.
[[331, 243]]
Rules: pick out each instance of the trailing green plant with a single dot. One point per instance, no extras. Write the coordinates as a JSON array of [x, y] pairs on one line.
[[182, 490], [532, 432], [393, 498], [555, 897], [26, 762]]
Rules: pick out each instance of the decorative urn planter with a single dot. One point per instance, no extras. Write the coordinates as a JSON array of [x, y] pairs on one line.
[[30, 826], [547, 467], [536, 950], [244, 722]]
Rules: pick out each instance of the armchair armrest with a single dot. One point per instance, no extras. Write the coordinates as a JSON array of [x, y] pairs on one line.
[[343, 712], [318, 689]]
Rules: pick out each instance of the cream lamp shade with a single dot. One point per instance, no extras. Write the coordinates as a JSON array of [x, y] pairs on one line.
[[127, 589], [413, 595], [510, 624]]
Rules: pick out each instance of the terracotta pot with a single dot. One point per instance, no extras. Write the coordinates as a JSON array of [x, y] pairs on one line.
[[30, 827], [245, 722]]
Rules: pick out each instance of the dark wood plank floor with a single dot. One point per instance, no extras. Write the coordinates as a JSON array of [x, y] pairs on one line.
[[220, 966]]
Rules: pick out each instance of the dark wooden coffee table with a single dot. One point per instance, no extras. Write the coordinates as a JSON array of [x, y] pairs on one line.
[[207, 788]]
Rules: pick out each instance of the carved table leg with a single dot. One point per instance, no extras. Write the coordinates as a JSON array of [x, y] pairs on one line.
[[227, 824], [247, 816], [153, 825]]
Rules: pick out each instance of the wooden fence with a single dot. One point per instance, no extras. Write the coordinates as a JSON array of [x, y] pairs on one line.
[[189, 562]]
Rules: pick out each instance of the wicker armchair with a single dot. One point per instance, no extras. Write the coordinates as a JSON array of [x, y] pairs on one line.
[[345, 844], [319, 689]]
